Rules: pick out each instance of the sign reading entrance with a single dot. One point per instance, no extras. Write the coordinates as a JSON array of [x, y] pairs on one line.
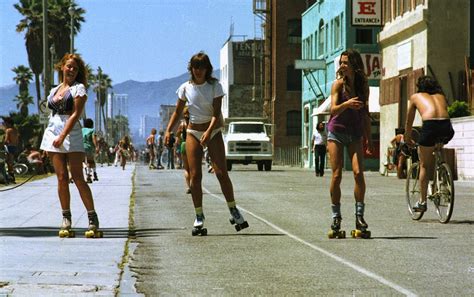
[[366, 12]]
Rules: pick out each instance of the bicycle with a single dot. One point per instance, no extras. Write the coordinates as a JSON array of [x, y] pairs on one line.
[[440, 188]]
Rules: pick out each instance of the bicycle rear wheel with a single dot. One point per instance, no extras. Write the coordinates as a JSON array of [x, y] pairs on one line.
[[443, 197], [20, 169], [413, 191]]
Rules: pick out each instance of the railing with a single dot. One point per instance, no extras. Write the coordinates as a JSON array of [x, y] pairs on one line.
[[287, 156]]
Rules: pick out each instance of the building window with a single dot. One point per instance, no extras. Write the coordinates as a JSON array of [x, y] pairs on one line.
[[293, 78], [364, 36], [337, 33], [293, 123], [294, 31], [322, 35]]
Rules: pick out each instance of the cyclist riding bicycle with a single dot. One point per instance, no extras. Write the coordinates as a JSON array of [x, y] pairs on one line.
[[433, 108]]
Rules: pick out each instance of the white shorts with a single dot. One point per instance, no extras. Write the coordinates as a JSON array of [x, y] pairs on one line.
[[73, 141]]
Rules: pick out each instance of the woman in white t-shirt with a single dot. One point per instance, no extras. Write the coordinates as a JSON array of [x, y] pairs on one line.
[[203, 95]]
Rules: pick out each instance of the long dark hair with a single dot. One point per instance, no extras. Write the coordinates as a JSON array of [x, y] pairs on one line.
[[82, 70], [361, 84], [201, 60], [427, 84]]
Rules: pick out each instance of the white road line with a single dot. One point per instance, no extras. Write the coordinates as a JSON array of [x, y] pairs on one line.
[[356, 267]]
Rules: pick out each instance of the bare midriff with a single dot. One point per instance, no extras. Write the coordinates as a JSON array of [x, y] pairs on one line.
[[202, 127]]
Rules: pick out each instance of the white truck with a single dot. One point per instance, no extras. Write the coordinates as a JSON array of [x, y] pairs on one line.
[[247, 142]]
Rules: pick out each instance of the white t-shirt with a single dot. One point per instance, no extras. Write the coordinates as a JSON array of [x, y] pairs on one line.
[[200, 98], [320, 138]]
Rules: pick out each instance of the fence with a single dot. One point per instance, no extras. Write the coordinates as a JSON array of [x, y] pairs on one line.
[[287, 156]]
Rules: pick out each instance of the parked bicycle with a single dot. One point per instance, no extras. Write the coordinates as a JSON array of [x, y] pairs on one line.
[[19, 168], [440, 187]]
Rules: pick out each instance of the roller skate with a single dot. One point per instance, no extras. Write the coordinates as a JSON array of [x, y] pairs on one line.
[[361, 228], [89, 179], [93, 231], [95, 177], [237, 219], [65, 230], [198, 226], [336, 231]]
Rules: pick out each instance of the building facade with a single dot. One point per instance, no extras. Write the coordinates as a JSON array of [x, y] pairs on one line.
[[117, 104], [241, 76], [329, 28], [420, 37], [146, 124]]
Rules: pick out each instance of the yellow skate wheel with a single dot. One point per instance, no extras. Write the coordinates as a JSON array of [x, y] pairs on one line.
[[331, 234], [356, 233], [100, 234], [72, 233], [63, 233], [89, 234]]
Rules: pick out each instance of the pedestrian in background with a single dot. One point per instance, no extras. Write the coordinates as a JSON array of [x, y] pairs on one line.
[[11, 141], [150, 144], [63, 139], [319, 147], [170, 146], [203, 94], [91, 148], [349, 126], [159, 149]]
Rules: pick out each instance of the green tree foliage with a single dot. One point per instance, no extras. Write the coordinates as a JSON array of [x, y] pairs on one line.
[[23, 100], [23, 77], [458, 109]]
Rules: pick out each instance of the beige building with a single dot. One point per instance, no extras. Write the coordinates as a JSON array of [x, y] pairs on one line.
[[420, 37]]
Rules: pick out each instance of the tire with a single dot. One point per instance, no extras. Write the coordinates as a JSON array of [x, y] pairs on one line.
[[229, 165], [260, 166], [268, 165], [20, 169], [413, 191], [444, 193]]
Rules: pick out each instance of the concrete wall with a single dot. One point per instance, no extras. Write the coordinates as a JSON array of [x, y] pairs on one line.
[[463, 143]]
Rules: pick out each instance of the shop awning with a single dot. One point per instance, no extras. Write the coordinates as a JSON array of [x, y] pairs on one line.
[[374, 105]]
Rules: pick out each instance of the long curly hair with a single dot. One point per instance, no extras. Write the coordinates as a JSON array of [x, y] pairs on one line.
[[361, 84], [201, 60], [427, 84], [82, 70]]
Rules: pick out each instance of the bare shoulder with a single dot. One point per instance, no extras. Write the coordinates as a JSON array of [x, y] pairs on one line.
[[337, 84]]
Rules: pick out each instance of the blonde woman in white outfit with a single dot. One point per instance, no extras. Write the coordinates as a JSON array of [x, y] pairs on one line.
[[62, 140], [203, 95]]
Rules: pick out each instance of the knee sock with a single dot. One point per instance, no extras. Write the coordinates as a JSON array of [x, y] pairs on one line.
[[198, 210], [359, 207], [336, 210], [231, 204]]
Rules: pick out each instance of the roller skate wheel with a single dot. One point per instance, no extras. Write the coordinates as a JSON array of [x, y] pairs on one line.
[[63, 233], [356, 233], [342, 234], [204, 232], [331, 234], [365, 234], [89, 234], [100, 234]]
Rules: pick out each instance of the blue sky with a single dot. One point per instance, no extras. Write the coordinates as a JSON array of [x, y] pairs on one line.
[[143, 40]]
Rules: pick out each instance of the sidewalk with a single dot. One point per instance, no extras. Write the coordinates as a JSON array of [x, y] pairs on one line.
[[34, 261]]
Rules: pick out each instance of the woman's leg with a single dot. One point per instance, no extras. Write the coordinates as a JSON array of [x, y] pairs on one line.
[[336, 153], [194, 154], [60, 168], [356, 156], [217, 154], [75, 165], [186, 169]]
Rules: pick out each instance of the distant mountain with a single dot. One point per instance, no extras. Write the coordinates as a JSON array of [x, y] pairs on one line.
[[144, 98]]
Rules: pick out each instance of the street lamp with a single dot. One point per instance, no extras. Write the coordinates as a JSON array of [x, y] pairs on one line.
[[71, 13]]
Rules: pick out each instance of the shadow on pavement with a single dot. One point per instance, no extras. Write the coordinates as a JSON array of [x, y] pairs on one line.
[[248, 234], [53, 232], [466, 222], [404, 237]]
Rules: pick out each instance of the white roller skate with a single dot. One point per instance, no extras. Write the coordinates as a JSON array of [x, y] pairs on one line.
[[65, 230], [93, 231], [237, 219], [198, 226]]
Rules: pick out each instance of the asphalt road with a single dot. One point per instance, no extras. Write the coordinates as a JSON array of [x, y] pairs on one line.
[[286, 250]]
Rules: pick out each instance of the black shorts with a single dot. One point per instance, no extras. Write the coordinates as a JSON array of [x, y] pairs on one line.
[[434, 131]]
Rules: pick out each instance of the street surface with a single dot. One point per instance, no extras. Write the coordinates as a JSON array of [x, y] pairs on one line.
[[285, 252]]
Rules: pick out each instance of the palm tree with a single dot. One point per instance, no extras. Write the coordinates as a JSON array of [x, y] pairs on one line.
[[31, 23], [23, 100], [102, 83], [23, 77], [58, 28]]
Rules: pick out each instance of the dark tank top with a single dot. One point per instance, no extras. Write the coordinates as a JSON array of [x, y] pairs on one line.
[[349, 121], [63, 106]]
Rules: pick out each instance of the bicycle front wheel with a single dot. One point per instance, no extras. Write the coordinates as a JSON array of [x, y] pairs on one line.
[[413, 190], [20, 169], [443, 197]]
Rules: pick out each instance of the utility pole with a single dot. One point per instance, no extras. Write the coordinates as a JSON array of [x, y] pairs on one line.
[[46, 70]]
